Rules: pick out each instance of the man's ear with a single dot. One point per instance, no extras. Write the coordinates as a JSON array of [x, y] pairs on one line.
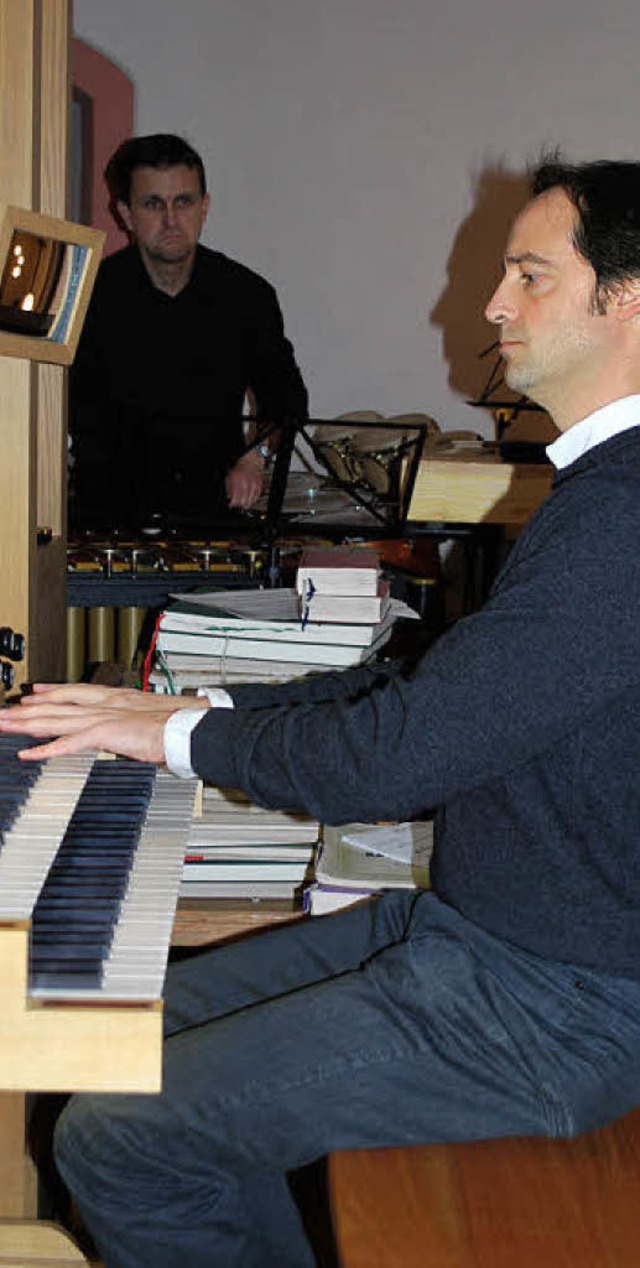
[[626, 299], [206, 203], [125, 215]]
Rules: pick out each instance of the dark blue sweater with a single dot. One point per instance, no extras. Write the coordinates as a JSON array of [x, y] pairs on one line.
[[522, 725]]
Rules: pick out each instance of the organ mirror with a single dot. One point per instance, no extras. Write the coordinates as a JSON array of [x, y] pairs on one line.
[[47, 270]]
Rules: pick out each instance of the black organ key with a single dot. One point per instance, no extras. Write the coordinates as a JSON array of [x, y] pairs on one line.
[[60, 980], [16, 779], [74, 917]]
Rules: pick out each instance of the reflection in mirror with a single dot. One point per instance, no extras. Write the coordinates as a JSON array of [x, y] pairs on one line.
[[47, 270], [29, 283], [39, 285]]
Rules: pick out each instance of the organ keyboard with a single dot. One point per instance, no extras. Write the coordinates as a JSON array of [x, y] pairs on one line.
[[91, 856]]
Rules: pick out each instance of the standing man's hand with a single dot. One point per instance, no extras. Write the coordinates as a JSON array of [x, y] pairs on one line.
[[245, 481]]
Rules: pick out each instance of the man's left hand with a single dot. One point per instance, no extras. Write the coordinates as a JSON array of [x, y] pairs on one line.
[[81, 727], [245, 481]]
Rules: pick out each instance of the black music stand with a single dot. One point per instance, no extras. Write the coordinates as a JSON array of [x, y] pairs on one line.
[[338, 478]]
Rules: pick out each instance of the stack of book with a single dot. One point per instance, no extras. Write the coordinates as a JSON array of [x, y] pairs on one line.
[[360, 860], [218, 637], [341, 583], [239, 850], [339, 614]]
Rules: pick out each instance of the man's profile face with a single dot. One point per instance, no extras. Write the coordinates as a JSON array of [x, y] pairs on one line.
[[553, 341], [166, 213]]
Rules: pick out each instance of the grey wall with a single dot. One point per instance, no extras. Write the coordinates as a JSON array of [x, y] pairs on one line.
[[345, 140]]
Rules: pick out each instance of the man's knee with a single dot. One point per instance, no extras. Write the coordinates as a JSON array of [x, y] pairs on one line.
[[94, 1135]]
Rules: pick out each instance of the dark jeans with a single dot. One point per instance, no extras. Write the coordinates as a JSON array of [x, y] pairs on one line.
[[395, 1022]]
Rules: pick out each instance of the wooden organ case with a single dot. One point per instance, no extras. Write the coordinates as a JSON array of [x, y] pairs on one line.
[[34, 177], [34, 140]]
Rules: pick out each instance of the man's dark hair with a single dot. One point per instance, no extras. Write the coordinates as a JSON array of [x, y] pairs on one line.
[[606, 196], [161, 150]]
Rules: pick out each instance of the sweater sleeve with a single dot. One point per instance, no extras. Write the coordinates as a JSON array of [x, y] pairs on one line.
[[343, 684], [493, 692]]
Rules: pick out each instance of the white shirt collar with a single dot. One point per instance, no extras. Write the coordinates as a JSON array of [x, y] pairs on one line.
[[616, 417]]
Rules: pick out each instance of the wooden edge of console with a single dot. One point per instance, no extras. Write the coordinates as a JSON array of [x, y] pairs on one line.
[[73, 1047]]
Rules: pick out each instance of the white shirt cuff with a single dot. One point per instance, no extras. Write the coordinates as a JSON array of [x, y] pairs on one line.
[[177, 733], [218, 698]]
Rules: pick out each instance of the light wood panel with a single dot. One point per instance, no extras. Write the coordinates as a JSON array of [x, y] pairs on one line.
[[477, 488], [18, 65], [27, 1245], [48, 654], [18, 1181], [18, 29], [49, 1047], [54, 101], [18, 397], [518, 1203], [34, 174]]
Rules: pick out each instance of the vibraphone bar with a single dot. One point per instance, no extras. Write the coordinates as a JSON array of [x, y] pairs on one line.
[[114, 589]]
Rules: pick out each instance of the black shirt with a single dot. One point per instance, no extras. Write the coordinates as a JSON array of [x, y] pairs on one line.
[[158, 386]]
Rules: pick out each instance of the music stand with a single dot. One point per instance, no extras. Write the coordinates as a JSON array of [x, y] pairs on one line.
[[342, 476]]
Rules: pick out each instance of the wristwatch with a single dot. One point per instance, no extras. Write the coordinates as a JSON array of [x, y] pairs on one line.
[[264, 451]]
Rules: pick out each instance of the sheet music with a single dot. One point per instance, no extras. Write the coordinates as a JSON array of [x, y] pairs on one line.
[[402, 842], [267, 605]]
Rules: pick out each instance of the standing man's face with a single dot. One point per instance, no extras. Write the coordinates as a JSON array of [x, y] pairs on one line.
[[166, 213], [555, 344]]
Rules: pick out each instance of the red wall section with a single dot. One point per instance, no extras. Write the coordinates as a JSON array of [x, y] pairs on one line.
[[111, 93]]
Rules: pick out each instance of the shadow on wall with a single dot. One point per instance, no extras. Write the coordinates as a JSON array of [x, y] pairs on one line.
[[474, 269]]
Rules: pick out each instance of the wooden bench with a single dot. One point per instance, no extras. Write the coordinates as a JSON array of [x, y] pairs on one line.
[[515, 1203]]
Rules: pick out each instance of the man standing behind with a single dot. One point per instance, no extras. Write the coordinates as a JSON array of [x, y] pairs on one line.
[[175, 335]]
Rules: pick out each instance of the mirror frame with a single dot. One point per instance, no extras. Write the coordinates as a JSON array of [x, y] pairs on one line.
[[59, 351]]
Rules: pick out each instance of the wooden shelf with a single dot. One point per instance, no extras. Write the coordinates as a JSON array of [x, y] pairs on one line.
[[201, 921]]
